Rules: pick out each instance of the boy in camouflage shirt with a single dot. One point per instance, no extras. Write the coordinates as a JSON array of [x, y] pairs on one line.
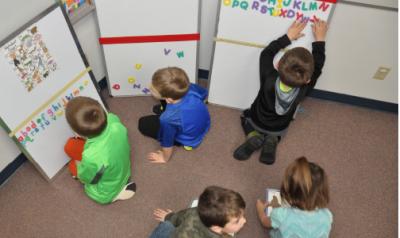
[[220, 212]]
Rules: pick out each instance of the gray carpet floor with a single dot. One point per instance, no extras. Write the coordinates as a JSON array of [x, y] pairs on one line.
[[357, 147]]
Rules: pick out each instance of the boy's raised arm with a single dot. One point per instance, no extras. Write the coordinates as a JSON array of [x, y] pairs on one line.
[[267, 55], [295, 30], [319, 29]]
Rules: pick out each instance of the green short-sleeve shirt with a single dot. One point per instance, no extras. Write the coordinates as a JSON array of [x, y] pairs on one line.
[[106, 166]]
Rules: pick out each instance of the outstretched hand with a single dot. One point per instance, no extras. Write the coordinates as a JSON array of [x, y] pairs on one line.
[[156, 157], [160, 214], [319, 29], [261, 206], [295, 30]]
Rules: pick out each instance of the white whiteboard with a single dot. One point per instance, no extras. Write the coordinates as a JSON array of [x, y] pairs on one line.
[[131, 66], [32, 103], [235, 71]]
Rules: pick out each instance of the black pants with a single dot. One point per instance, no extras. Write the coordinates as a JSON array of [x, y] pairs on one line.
[[246, 126], [149, 126]]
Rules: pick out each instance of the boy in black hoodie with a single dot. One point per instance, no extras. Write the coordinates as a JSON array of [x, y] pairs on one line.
[[281, 90]]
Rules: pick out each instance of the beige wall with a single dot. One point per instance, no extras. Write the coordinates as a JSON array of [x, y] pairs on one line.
[[359, 41], [380, 3]]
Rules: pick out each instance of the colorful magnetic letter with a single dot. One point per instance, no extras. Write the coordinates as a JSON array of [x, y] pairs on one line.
[[131, 80], [167, 51], [138, 66]]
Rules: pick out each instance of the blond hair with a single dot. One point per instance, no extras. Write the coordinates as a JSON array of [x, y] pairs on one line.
[[171, 82]]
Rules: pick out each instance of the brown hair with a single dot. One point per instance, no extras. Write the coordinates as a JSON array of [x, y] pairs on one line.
[[86, 116], [218, 205], [171, 82], [296, 67], [305, 185]]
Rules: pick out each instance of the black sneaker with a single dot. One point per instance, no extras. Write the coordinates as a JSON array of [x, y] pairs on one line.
[[131, 187], [268, 150], [158, 109], [244, 151]]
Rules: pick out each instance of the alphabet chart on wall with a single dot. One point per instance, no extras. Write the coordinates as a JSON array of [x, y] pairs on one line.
[[42, 68]]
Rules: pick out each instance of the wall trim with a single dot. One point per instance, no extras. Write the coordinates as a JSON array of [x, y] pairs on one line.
[[11, 168], [357, 101]]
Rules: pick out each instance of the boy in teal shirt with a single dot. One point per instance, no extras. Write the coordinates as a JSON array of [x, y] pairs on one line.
[[100, 158]]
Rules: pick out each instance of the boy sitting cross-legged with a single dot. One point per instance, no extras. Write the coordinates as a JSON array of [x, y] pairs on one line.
[[185, 119]]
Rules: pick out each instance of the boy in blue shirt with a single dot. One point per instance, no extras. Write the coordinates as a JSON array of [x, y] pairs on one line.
[[185, 120]]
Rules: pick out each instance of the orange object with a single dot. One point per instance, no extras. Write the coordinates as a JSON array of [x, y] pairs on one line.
[[70, 2], [74, 149]]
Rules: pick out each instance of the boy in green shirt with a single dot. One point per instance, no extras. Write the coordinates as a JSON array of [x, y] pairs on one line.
[[100, 155]]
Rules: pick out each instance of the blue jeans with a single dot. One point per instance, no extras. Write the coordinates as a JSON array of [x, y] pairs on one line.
[[163, 230]]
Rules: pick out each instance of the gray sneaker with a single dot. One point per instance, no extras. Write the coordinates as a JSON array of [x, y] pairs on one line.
[[268, 150], [244, 151]]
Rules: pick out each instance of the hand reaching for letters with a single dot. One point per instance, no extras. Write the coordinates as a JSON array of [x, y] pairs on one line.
[[319, 29], [295, 30]]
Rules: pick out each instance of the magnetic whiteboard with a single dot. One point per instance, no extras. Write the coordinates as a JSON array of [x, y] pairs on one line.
[[130, 66], [244, 29], [42, 69]]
